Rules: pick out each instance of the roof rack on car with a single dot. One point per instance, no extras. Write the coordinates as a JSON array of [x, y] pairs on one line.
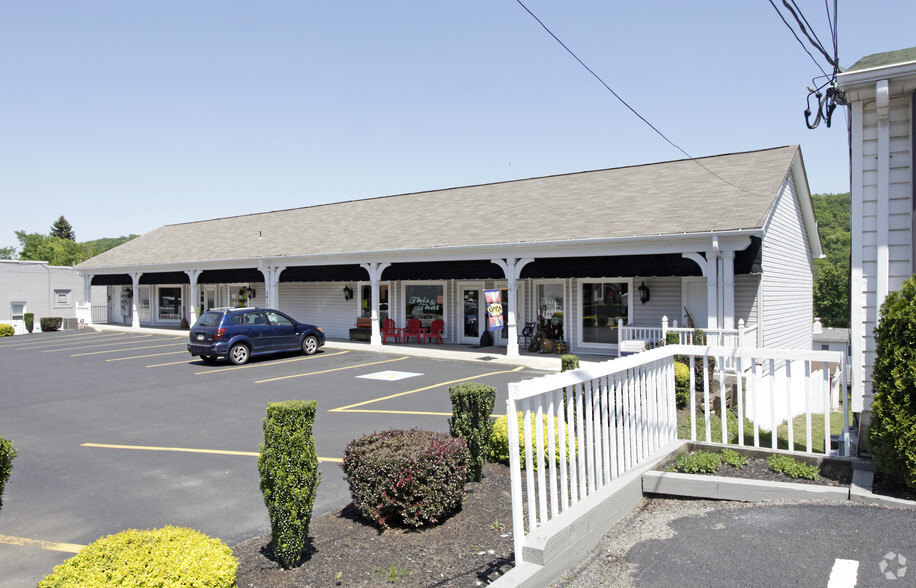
[[231, 308]]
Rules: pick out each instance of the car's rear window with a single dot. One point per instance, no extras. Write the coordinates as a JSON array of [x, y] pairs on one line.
[[209, 319]]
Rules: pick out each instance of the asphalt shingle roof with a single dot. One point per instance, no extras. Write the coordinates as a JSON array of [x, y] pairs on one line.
[[720, 193], [884, 59]]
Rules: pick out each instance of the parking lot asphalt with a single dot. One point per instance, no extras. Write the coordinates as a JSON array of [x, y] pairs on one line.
[[122, 429]]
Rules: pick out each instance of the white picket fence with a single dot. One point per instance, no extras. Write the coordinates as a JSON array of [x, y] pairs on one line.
[[585, 428]]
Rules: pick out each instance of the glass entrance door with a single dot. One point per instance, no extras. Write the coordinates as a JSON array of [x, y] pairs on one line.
[[471, 306], [474, 319]]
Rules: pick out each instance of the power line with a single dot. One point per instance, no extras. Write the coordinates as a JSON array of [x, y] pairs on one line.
[[603, 83], [624, 102], [800, 42]]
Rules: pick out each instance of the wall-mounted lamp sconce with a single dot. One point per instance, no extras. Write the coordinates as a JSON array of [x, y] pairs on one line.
[[348, 293], [643, 293], [251, 292]]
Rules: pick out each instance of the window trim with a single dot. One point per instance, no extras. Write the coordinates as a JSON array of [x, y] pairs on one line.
[[580, 303], [402, 310]]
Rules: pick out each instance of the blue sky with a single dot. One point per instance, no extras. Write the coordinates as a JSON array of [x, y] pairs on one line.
[[126, 116]]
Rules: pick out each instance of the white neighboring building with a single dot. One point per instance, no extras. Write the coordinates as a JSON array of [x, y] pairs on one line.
[[881, 89], [41, 289]]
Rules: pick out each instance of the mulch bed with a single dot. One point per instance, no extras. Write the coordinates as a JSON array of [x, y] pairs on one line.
[[473, 547], [756, 468]]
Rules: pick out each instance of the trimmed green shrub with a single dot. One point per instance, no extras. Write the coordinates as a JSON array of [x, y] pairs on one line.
[[29, 321], [412, 478], [50, 323], [891, 435], [7, 453], [472, 404], [569, 362], [6, 330], [288, 465], [499, 440], [167, 557], [793, 468], [672, 338], [682, 384]]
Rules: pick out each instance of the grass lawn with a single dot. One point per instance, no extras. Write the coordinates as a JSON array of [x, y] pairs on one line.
[[782, 432]]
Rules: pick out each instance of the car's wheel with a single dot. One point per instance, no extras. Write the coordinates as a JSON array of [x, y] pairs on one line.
[[239, 354], [310, 345], [208, 358]]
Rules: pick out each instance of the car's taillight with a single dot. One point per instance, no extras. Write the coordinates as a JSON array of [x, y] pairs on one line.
[[219, 333]]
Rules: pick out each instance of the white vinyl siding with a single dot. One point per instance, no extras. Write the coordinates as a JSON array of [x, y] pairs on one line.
[[787, 276], [664, 301], [321, 304], [866, 223], [746, 302]]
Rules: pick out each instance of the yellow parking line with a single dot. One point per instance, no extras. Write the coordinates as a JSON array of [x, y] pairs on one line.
[[43, 342], [150, 355], [120, 350], [46, 545], [374, 400], [70, 341], [99, 345], [184, 361], [349, 367], [254, 365], [190, 450]]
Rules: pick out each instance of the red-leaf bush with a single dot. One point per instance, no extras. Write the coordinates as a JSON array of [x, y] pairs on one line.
[[411, 478]]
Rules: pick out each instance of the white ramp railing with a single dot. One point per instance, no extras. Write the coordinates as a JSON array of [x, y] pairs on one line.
[[582, 429]]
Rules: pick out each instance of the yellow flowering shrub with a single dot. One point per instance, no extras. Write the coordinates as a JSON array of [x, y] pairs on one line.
[[168, 557]]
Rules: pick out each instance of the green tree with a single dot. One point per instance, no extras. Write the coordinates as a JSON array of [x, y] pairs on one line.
[[831, 274], [61, 228], [7, 253], [54, 250]]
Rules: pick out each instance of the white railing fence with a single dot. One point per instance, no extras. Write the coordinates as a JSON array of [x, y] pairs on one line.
[[585, 428], [742, 336], [100, 314]]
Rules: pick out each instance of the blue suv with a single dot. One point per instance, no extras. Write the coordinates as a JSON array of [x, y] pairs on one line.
[[240, 333]]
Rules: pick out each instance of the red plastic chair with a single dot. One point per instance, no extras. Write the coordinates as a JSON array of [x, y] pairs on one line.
[[390, 331], [414, 329], [435, 331]]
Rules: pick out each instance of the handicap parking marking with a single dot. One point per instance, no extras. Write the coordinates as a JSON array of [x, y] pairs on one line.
[[390, 375], [354, 407], [844, 574]]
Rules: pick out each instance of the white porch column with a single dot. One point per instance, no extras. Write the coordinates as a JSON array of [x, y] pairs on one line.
[[882, 103], [192, 307], [375, 269], [728, 289], [87, 288], [271, 275], [135, 292], [512, 267]]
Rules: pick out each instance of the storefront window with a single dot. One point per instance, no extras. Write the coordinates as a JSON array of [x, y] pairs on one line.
[[365, 301], [603, 304], [424, 302], [169, 303], [551, 304]]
